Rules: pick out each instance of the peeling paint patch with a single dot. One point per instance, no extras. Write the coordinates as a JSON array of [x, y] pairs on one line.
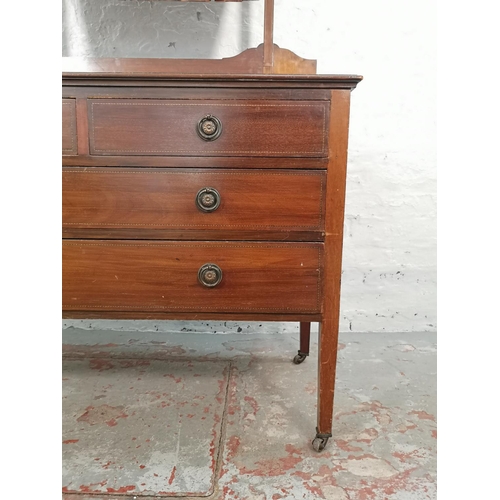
[[334, 492], [101, 364], [162, 449], [172, 475], [270, 418], [369, 466], [133, 363], [173, 350], [422, 415], [367, 435], [408, 456], [253, 403], [232, 446], [102, 414], [346, 446], [276, 467], [403, 428], [177, 380], [122, 489]]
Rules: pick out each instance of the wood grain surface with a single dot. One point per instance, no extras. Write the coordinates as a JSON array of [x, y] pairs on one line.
[[243, 71], [168, 127], [163, 276], [329, 326], [69, 140], [164, 199]]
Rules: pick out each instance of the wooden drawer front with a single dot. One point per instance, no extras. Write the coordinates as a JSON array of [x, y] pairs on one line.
[[166, 199], [69, 143], [163, 276], [169, 127]]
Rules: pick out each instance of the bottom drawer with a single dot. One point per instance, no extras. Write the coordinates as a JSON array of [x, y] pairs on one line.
[[174, 276]]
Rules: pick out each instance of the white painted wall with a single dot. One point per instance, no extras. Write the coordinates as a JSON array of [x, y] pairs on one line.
[[389, 278]]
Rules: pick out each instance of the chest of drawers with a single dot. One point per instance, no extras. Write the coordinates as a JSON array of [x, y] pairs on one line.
[[207, 197]]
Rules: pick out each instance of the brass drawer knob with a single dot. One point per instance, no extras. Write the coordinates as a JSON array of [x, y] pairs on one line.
[[208, 199], [209, 128], [210, 275]]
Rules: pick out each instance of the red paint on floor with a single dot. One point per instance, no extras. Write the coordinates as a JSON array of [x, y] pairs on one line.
[[367, 436], [172, 475], [253, 403], [422, 415], [345, 446], [102, 414], [101, 364], [276, 467], [122, 489], [232, 447], [133, 363], [256, 446]]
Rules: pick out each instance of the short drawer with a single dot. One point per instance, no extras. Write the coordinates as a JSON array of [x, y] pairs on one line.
[[69, 143], [190, 199], [208, 127], [170, 276]]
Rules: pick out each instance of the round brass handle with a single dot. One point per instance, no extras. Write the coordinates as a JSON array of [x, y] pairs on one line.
[[208, 199], [209, 128], [210, 275]]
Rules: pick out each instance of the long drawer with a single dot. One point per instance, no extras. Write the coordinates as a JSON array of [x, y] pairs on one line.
[[208, 127], [175, 199], [181, 276]]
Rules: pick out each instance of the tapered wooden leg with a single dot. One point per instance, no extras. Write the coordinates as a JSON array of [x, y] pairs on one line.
[[327, 362], [334, 224], [305, 339]]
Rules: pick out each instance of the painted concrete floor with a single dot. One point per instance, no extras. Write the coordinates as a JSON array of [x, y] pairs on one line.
[[230, 417]]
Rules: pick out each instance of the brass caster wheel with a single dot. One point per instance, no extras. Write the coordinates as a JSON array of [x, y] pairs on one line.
[[299, 358], [319, 443]]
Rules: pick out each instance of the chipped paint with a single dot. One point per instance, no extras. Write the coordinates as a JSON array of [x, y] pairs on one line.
[[370, 466], [172, 475], [383, 445], [155, 443], [102, 414], [422, 415]]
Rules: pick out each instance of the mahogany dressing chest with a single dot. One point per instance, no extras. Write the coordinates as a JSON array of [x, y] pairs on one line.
[[208, 190]]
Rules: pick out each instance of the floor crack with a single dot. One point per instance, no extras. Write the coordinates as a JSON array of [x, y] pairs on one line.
[[222, 437]]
